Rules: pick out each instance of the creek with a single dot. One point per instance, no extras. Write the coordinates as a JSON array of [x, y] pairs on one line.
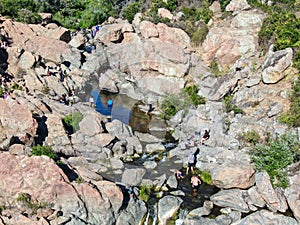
[[128, 111]]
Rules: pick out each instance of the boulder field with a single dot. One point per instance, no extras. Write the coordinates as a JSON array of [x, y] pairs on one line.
[[95, 180]]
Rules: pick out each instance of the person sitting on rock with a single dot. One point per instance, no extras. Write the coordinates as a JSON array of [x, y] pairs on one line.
[[205, 136], [179, 174]]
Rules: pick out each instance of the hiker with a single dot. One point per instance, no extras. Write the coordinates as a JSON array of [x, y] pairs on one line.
[[92, 102], [178, 174], [195, 181], [191, 162], [110, 102], [205, 136]]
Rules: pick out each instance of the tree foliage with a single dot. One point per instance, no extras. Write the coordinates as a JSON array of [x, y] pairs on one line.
[[274, 156]]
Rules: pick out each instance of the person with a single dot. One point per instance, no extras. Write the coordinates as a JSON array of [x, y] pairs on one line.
[[110, 102], [191, 162], [92, 102], [205, 136], [178, 174], [5, 95], [195, 181]]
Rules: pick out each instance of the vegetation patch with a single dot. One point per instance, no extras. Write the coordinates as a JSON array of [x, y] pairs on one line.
[[30, 203], [71, 122], [252, 137], [44, 150], [292, 117], [130, 10], [145, 192], [274, 156], [230, 106], [174, 103]]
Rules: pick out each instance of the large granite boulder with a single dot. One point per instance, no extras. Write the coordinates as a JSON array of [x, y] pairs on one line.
[[167, 208], [275, 64], [266, 217], [16, 121], [234, 175], [41, 180]]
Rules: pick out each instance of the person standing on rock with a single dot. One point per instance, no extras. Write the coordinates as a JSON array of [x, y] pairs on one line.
[[205, 136], [191, 163], [195, 181], [92, 102]]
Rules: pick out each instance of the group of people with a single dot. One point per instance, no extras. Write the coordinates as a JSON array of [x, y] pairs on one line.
[[50, 71], [195, 180], [68, 100]]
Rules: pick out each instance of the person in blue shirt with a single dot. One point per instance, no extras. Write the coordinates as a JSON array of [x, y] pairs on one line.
[[110, 102]]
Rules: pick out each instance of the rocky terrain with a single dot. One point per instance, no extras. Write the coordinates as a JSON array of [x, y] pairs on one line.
[[91, 183]]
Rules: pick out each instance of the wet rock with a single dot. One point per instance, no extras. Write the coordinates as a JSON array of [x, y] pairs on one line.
[[234, 175], [266, 217], [233, 198], [154, 148], [133, 177], [202, 211], [274, 65], [172, 182], [167, 208], [133, 214], [272, 197]]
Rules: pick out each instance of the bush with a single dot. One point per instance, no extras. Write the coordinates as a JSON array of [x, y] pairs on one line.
[[27, 200], [282, 28], [44, 150], [251, 137], [230, 106], [199, 36], [130, 10], [206, 177], [292, 117], [174, 103], [71, 122], [275, 156], [145, 192]]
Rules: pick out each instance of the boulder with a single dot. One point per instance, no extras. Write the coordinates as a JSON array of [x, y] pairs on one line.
[[43, 181], [16, 120], [272, 197], [119, 129], [205, 210], [237, 5], [148, 29], [154, 148], [233, 198], [110, 33], [233, 175], [77, 41], [174, 36], [292, 193], [274, 65], [164, 13], [263, 217], [133, 177], [167, 208], [59, 33], [27, 60]]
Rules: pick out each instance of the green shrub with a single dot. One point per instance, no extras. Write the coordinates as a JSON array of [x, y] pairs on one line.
[[1, 91], [27, 200], [296, 60], [251, 137], [16, 86], [224, 3], [188, 97], [282, 28], [199, 36], [71, 122], [230, 106], [292, 117], [214, 68], [145, 193], [206, 177], [130, 10], [275, 156], [44, 150], [192, 92]]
